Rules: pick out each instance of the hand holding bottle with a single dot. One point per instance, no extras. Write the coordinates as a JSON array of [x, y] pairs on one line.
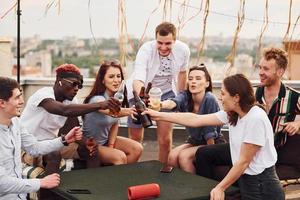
[[144, 93], [141, 107], [91, 145]]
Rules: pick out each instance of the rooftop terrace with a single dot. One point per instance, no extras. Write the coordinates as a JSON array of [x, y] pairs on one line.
[[30, 85]]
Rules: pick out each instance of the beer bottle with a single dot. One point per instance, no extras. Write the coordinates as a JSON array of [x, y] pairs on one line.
[[140, 107], [137, 119], [146, 95]]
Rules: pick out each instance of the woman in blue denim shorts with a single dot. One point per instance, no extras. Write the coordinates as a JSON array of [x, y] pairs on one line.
[[198, 98]]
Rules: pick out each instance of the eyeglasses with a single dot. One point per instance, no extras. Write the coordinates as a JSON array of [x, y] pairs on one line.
[[73, 83], [198, 67]]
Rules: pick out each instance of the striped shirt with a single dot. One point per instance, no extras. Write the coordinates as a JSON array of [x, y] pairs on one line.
[[284, 108]]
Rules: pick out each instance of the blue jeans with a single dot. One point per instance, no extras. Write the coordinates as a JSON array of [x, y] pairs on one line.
[[265, 185]]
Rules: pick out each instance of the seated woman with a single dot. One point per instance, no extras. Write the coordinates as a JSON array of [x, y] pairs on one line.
[[198, 98], [102, 127], [251, 144]]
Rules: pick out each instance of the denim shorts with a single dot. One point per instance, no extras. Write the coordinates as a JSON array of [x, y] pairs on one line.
[[195, 142], [165, 96]]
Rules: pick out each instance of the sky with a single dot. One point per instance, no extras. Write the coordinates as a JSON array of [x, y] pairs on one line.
[[74, 15]]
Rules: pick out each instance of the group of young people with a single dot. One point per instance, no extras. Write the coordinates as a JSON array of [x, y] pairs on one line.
[[49, 123]]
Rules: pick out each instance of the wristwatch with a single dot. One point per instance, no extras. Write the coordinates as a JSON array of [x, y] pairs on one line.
[[63, 140]]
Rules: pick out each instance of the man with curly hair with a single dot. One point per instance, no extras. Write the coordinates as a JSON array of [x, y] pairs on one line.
[[52, 111]]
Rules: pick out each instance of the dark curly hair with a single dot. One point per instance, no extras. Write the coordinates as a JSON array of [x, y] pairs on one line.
[[7, 86]]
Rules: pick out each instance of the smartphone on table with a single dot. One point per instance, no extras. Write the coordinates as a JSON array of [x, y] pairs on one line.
[[79, 191], [166, 169]]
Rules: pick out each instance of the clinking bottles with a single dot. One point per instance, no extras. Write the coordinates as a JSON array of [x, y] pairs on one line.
[[140, 107]]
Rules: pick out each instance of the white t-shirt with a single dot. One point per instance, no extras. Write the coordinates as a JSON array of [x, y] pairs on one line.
[[253, 128], [163, 78], [42, 124]]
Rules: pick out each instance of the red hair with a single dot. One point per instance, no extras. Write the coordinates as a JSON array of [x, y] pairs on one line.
[[67, 68]]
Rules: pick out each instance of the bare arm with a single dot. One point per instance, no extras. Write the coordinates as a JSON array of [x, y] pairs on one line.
[[124, 112], [186, 119], [113, 135], [137, 85], [181, 85], [248, 151], [58, 108]]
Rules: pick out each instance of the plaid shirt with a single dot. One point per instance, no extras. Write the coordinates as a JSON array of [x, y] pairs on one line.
[[284, 108]]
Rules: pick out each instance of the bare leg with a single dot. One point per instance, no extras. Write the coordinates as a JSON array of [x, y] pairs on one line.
[[164, 136], [136, 134], [173, 158], [109, 155], [131, 148], [186, 158]]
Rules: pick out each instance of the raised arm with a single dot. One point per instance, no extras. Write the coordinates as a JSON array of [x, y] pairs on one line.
[[56, 107], [186, 119]]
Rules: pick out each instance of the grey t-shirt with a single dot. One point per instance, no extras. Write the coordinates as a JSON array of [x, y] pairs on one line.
[[96, 124]]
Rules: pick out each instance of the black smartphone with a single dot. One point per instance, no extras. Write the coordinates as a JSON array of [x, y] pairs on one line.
[[166, 169], [79, 191]]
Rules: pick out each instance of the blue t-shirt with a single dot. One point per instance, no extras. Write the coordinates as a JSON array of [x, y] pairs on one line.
[[209, 105], [96, 124]]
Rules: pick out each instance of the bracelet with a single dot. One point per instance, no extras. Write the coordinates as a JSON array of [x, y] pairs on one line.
[[64, 141]]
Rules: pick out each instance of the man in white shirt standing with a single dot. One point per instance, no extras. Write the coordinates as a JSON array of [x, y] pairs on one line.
[[163, 62], [13, 137]]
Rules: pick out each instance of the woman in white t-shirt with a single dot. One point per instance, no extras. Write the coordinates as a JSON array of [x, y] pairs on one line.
[[251, 142]]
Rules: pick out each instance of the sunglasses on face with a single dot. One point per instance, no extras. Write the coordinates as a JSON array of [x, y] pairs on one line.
[[73, 83], [111, 63]]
